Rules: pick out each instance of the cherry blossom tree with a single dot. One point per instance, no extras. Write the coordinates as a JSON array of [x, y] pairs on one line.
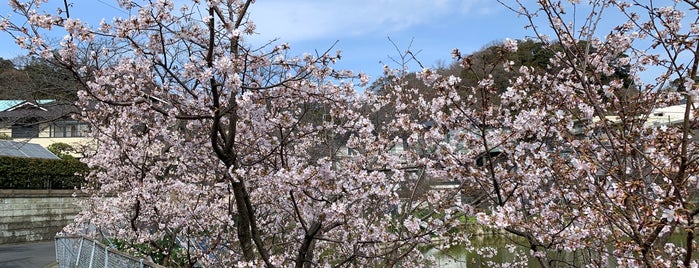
[[213, 152], [580, 165]]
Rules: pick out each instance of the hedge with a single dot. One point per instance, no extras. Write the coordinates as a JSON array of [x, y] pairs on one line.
[[33, 173]]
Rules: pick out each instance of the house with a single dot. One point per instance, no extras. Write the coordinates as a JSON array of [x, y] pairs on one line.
[[42, 122], [670, 115]]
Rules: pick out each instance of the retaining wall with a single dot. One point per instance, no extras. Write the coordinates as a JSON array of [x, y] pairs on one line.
[[35, 215]]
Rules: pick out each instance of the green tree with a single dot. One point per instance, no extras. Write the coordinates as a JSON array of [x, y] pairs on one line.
[[62, 150], [29, 78]]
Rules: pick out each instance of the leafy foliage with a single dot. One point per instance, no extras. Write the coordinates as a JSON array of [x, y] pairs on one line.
[[35, 79], [62, 150], [34, 173]]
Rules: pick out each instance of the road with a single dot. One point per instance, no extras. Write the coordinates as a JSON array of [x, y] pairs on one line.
[[28, 255]]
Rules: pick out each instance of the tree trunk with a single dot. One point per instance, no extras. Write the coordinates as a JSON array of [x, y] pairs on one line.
[[242, 220], [305, 255]]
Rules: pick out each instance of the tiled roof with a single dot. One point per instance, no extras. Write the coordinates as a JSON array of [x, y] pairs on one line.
[[24, 149]]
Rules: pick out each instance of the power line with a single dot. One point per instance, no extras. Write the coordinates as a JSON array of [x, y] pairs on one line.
[[113, 7]]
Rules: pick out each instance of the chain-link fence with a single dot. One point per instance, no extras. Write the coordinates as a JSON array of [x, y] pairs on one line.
[[76, 251]]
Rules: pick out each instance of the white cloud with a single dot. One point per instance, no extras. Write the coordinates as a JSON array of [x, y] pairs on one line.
[[314, 19]]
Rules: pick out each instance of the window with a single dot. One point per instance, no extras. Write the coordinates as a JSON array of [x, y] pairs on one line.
[[30, 131], [68, 129]]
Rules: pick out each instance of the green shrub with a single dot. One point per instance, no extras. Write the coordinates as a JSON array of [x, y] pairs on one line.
[[62, 150], [32, 173]]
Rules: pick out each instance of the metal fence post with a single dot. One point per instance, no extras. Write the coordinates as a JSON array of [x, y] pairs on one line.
[[80, 248], [92, 254], [106, 257]]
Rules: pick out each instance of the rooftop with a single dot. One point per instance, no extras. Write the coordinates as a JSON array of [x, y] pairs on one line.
[[25, 150], [7, 104]]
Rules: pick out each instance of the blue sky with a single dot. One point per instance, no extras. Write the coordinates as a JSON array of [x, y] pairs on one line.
[[361, 27]]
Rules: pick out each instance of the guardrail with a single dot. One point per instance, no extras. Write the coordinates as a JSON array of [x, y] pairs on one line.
[[82, 252]]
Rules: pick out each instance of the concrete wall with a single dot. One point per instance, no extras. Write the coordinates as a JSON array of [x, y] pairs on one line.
[[35, 215]]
